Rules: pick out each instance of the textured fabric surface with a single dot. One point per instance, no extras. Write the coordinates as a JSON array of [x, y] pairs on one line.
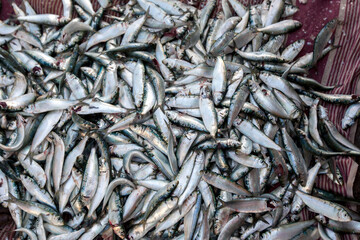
[[341, 67], [6, 225]]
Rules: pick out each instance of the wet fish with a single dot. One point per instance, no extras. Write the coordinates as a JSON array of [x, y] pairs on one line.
[[168, 122]]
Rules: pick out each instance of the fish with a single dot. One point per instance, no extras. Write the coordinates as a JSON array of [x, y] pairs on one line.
[[168, 122]]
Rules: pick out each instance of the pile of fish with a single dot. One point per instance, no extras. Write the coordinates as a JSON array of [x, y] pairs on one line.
[[168, 122]]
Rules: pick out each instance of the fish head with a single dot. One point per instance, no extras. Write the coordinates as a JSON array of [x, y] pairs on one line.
[[54, 219], [346, 122], [37, 71], [205, 91], [218, 96], [344, 216]]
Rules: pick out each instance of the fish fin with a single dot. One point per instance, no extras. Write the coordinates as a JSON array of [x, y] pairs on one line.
[[321, 160], [222, 203], [82, 103], [147, 12], [57, 194], [341, 22], [143, 223], [104, 132], [261, 218], [75, 197], [254, 72], [206, 212], [11, 198], [180, 210], [287, 71], [51, 92], [12, 17], [283, 149], [30, 155], [333, 168], [83, 47], [336, 46]]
